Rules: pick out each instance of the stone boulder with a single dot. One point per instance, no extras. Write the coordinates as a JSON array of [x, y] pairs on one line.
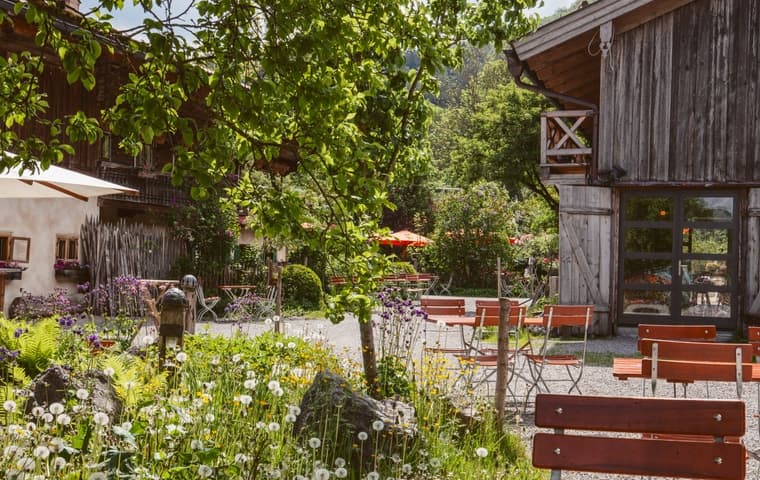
[[330, 403], [56, 382]]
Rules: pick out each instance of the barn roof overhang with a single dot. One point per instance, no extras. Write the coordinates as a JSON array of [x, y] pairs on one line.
[[563, 56]]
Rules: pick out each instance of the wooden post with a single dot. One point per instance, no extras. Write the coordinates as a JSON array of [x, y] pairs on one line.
[[498, 277], [502, 354], [278, 299], [189, 286], [172, 328]]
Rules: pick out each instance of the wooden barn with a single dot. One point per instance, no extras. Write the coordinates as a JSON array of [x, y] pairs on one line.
[[655, 150]]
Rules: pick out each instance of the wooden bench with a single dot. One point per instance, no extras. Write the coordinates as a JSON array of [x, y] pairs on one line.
[[687, 362], [702, 453]]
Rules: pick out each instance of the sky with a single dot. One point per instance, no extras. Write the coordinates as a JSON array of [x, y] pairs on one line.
[[131, 16]]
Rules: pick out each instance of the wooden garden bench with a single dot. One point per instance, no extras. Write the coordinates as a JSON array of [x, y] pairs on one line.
[[691, 333], [702, 453]]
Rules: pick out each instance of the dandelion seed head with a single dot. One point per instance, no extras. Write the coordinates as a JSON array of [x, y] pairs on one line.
[[204, 471], [481, 452], [341, 472], [101, 419], [181, 357], [378, 425], [82, 394], [273, 427], [42, 452], [56, 408], [314, 442], [362, 436], [9, 406]]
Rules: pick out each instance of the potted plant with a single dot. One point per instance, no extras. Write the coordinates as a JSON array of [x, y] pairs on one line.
[[69, 269], [11, 270]]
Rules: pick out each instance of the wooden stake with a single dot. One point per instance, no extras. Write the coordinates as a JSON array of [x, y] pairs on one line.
[[502, 354]]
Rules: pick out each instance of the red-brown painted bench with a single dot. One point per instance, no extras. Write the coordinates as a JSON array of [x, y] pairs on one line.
[[701, 453]]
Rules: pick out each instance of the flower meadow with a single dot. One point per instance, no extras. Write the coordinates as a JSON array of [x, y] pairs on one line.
[[227, 409]]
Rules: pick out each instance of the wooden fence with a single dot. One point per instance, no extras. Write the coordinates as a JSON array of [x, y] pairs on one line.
[[119, 249]]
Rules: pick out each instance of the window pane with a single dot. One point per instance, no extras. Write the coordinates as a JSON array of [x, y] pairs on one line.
[[60, 248], [706, 209], [649, 209], [647, 271], [706, 240], [73, 251], [707, 304], [652, 240], [644, 302]]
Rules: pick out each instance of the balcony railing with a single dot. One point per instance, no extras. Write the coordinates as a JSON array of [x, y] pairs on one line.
[[566, 150]]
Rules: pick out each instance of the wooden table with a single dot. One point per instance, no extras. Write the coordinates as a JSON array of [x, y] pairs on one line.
[[234, 292]]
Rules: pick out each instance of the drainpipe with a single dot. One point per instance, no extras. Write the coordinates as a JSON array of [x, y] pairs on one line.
[[517, 68]]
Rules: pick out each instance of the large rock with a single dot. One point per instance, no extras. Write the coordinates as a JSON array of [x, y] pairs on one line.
[[49, 387], [331, 404], [53, 384]]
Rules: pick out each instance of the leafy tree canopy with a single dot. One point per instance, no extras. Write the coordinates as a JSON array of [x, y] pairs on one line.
[[315, 87]]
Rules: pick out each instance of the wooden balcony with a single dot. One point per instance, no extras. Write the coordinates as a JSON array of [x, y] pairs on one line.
[[566, 150]]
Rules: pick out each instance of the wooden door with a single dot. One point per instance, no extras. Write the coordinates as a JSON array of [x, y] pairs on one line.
[[679, 257], [585, 248]]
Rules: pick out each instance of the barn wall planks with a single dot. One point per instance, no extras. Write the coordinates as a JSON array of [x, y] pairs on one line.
[[585, 250], [752, 255], [680, 97]]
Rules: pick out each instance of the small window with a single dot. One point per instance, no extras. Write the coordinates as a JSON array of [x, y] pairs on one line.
[[67, 248], [5, 241]]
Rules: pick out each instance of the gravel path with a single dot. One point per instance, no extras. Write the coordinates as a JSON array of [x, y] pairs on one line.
[[596, 380]]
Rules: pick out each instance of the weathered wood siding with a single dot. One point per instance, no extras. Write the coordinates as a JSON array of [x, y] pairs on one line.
[[679, 96], [752, 255], [585, 250]]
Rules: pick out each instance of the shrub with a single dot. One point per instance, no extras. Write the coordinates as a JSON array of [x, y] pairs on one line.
[[301, 287], [403, 267]]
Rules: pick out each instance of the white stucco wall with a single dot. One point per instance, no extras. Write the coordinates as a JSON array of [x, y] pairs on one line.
[[41, 220]]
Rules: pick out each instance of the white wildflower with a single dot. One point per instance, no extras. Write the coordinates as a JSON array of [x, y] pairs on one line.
[[341, 472], [290, 418], [37, 412], [378, 425], [321, 474], [250, 384], [373, 476], [108, 371], [82, 394], [314, 442], [236, 358], [56, 408], [362, 436], [273, 385], [63, 419], [101, 419], [196, 444], [278, 392], [274, 427], [59, 463], [41, 452], [204, 471], [181, 358], [210, 417], [340, 462], [241, 458], [291, 345], [9, 406], [481, 452]]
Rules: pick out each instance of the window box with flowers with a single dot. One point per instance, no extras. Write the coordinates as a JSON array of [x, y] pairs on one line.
[[11, 270], [70, 269]]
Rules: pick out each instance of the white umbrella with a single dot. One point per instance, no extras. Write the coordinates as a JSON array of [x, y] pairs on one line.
[[56, 182]]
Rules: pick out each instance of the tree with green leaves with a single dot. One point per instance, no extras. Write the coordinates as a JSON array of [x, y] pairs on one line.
[[316, 89], [493, 134]]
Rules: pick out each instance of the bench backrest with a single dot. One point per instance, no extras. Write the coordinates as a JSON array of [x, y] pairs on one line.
[[754, 338], [709, 457], [695, 333], [696, 351]]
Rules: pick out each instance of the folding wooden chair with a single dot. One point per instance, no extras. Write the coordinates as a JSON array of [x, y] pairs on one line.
[[442, 313], [557, 316], [484, 361], [206, 305]]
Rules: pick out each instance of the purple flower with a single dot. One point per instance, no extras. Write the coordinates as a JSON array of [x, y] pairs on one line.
[[18, 332]]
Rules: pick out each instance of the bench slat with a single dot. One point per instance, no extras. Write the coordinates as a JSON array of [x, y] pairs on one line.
[[695, 351], [679, 332], [636, 456], [685, 372], [639, 415]]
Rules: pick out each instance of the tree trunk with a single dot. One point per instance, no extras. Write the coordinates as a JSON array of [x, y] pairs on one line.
[[369, 357], [502, 354]]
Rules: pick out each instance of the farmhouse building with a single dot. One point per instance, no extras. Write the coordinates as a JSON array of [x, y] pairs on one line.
[[655, 150]]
